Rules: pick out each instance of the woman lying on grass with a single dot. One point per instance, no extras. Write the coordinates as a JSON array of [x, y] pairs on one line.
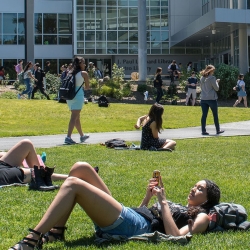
[[85, 187], [151, 127], [11, 171]]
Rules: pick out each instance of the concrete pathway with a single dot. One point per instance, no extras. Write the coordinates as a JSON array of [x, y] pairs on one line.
[[231, 129]]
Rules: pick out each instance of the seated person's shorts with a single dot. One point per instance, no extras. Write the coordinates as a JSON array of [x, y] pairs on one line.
[[10, 174], [129, 223]]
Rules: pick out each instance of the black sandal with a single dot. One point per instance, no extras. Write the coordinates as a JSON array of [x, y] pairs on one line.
[[26, 241], [57, 236]]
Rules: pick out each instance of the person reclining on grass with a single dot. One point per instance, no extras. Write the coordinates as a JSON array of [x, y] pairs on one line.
[[151, 127], [38, 177], [85, 187]]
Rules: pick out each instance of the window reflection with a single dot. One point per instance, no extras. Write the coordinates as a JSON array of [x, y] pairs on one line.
[[49, 23], [64, 24]]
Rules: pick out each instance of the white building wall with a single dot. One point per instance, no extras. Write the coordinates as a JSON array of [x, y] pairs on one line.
[[12, 6], [53, 6], [183, 13]]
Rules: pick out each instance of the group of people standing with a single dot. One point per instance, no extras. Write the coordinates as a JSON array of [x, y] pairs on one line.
[[32, 71]]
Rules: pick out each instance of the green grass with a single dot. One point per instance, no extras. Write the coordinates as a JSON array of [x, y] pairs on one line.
[[224, 160], [42, 117]]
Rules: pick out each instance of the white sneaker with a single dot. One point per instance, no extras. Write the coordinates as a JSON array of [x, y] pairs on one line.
[[84, 138]]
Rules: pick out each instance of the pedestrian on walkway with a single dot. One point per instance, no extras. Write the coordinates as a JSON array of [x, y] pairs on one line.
[[242, 92], [75, 105], [151, 127], [27, 76], [209, 88], [19, 67], [39, 75], [192, 84], [158, 84]]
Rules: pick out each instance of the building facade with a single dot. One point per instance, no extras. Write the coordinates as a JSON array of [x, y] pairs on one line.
[[106, 32]]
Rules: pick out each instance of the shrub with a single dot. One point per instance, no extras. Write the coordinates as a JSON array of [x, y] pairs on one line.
[[247, 82], [106, 90], [8, 95], [228, 76], [93, 83], [142, 88], [53, 83]]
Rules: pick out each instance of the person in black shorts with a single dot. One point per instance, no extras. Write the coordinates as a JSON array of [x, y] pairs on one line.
[[11, 171]]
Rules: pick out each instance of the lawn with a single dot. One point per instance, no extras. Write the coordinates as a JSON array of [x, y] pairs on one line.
[[224, 160], [42, 117]]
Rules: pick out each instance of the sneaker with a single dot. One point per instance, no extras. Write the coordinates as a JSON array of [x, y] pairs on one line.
[[18, 96], [69, 141], [220, 132], [205, 133], [84, 138]]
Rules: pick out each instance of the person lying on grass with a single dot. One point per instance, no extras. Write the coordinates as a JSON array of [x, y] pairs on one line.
[[85, 187], [38, 177], [151, 127]]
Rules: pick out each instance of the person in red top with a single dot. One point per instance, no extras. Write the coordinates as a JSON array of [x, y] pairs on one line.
[[2, 72]]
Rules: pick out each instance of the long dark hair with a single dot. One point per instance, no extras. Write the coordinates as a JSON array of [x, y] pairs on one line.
[[158, 70], [213, 198], [76, 64], [155, 113], [27, 66]]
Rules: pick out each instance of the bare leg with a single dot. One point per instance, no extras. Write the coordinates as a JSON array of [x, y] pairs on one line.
[[72, 122], [22, 150], [75, 190], [169, 144], [245, 101], [78, 125], [237, 101]]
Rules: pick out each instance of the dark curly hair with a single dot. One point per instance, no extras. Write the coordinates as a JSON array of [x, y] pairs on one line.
[[213, 198]]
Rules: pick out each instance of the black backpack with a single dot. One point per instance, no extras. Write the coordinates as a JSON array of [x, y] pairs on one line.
[[67, 89], [103, 101], [116, 143], [225, 216]]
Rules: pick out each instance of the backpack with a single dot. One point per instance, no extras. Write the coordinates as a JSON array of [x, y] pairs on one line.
[[67, 89], [103, 101], [225, 216], [20, 77], [115, 143], [237, 87]]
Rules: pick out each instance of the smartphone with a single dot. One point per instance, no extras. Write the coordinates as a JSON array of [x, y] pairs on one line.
[[156, 175]]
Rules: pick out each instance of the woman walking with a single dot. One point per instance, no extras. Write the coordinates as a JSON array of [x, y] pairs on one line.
[[158, 84], [242, 92], [27, 75], [209, 88], [75, 105]]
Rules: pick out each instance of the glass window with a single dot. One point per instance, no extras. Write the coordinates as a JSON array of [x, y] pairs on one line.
[[21, 23], [133, 36], [90, 22], [53, 65], [21, 39], [111, 48], [112, 35], [38, 23], [164, 35], [101, 47], [155, 3], [9, 23], [9, 39], [80, 51], [8, 66], [90, 36], [133, 2], [100, 35], [112, 18], [164, 17], [123, 2], [65, 39], [122, 35], [38, 39], [122, 18], [133, 18], [133, 48], [79, 2], [49, 23], [64, 23], [49, 39], [123, 48], [165, 48]]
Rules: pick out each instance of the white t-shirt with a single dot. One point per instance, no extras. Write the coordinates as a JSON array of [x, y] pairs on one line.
[[25, 75]]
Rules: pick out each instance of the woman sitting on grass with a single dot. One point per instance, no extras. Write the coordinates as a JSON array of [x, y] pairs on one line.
[[151, 126], [11, 171], [85, 187]]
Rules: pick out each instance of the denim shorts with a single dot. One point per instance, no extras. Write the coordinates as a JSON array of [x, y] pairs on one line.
[[129, 223]]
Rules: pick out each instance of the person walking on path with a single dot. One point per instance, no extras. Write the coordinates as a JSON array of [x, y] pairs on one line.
[[209, 88], [75, 105], [192, 84], [27, 76], [39, 74], [242, 93], [158, 84], [19, 67]]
